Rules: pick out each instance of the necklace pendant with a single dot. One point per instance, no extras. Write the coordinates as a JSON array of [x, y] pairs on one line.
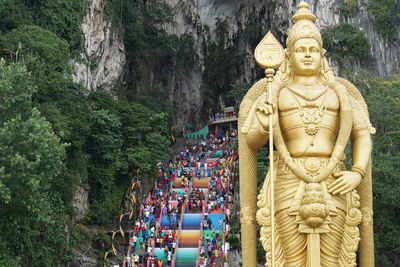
[[311, 104], [312, 129]]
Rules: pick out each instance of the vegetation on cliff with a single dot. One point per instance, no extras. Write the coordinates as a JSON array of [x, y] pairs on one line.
[[56, 135], [386, 18]]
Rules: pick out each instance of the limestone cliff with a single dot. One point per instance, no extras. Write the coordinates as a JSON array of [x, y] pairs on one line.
[[103, 58], [193, 16], [243, 21], [199, 19]]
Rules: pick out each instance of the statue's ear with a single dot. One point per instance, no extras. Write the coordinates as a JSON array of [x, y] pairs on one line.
[[323, 52]]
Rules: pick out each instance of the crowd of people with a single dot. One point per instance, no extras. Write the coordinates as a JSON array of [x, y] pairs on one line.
[[158, 222], [220, 199]]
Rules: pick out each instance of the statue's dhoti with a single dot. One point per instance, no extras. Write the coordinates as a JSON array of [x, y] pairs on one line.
[[313, 228]]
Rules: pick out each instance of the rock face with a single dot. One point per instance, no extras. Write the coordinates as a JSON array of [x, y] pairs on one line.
[[81, 202], [193, 16], [82, 261], [104, 55], [199, 18], [384, 56]]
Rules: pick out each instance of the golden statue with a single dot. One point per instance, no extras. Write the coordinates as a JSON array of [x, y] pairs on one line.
[[315, 211]]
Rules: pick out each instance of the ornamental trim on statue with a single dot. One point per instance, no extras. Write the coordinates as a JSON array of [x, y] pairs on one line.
[[248, 215]]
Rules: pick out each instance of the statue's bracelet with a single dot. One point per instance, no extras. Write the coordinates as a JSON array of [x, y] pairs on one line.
[[263, 131], [358, 170]]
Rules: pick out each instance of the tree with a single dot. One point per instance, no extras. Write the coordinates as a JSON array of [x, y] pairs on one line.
[[12, 14], [62, 17], [31, 157], [344, 41], [383, 100]]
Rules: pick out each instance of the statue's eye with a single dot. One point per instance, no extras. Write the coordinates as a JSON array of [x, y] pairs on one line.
[[300, 50], [314, 50]]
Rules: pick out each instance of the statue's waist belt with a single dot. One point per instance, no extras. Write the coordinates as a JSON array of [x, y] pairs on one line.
[[286, 183], [311, 165]]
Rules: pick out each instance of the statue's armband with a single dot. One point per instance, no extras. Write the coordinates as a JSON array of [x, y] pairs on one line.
[[360, 121]]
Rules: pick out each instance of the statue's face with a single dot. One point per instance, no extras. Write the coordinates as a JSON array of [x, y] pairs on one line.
[[305, 57]]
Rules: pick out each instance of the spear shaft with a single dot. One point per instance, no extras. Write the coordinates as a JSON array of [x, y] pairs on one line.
[[270, 75]]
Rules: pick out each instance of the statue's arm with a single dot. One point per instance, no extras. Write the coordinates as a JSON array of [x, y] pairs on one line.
[[361, 152], [361, 146], [256, 136], [361, 140]]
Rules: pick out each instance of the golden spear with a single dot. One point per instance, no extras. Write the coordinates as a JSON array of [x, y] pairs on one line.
[[269, 55]]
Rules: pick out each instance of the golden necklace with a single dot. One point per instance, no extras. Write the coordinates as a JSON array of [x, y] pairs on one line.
[[308, 94], [311, 115]]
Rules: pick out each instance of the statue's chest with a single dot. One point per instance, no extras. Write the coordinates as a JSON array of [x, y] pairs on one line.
[[291, 99], [308, 109]]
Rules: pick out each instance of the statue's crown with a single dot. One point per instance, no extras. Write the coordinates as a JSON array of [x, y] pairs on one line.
[[303, 26]]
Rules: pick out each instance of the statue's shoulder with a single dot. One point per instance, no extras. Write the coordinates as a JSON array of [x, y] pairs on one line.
[[360, 109], [251, 100], [351, 90], [255, 92]]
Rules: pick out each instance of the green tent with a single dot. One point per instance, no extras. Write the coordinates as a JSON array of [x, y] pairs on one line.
[[217, 154], [202, 133]]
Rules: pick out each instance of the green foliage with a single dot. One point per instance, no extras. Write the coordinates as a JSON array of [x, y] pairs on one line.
[[345, 42], [233, 236], [383, 100], [254, 30], [236, 94], [185, 52], [60, 100], [348, 8], [260, 251], [124, 137], [222, 31], [151, 53], [62, 17], [223, 65], [105, 138], [254, 34], [13, 13], [233, 241], [31, 158], [104, 146], [50, 51], [108, 139], [386, 17], [44, 54]]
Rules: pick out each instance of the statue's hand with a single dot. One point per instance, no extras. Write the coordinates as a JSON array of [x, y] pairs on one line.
[[346, 182], [264, 110]]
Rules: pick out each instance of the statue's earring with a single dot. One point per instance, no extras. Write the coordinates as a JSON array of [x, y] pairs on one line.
[[324, 69], [286, 51], [286, 68]]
